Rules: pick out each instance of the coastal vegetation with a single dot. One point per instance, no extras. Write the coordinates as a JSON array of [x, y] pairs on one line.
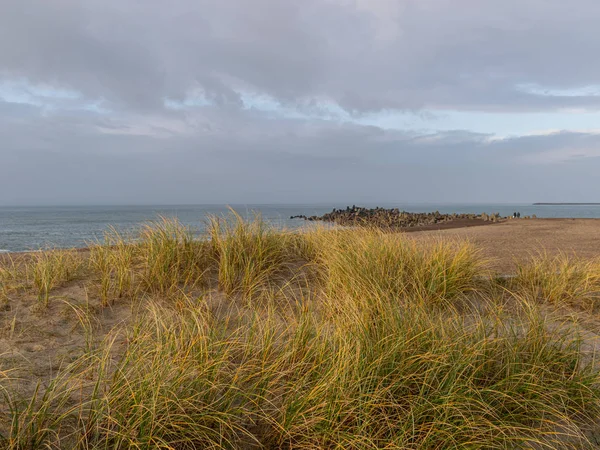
[[329, 338]]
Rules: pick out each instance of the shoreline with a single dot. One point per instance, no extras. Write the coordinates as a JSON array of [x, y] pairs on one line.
[[459, 223], [504, 244]]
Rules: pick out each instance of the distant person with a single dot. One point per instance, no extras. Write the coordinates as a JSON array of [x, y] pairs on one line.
[[514, 215], [518, 215]]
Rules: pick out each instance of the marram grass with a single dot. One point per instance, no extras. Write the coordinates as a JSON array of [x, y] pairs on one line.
[[249, 255], [382, 351], [50, 269], [560, 279]]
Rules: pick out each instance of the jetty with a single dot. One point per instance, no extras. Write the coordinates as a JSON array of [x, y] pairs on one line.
[[394, 217]]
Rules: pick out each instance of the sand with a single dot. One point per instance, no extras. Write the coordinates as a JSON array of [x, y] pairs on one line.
[[507, 243]]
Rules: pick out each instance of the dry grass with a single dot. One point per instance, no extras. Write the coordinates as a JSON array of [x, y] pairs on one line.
[[113, 260], [170, 257], [560, 279], [11, 279], [380, 352], [50, 269], [249, 255], [364, 263], [161, 259]]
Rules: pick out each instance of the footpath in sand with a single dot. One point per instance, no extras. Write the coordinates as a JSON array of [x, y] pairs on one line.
[[516, 240]]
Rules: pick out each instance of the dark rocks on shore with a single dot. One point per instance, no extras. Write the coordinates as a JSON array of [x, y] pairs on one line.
[[393, 218]]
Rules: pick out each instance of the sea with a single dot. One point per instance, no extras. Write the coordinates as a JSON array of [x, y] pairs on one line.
[[34, 228]]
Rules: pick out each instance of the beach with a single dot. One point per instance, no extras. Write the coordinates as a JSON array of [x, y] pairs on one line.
[[514, 241], [273, 320]]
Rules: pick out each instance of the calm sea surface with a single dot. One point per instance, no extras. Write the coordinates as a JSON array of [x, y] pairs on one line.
[[29, 228]]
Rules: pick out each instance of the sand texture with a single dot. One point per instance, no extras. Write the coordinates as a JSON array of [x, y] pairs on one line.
[[511, 242]]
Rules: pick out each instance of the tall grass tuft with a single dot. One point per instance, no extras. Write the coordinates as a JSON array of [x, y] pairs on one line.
[[50, 269], [113, 259], [42, 419], [560, 279], [367, 264], [414, 378], [175, 387], [250, 255], [170, 257], [12, 278]]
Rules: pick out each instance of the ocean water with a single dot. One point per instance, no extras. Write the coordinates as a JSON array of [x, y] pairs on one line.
[[32, 228]]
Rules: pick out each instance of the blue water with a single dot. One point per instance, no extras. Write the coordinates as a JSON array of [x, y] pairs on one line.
[[32, 228]]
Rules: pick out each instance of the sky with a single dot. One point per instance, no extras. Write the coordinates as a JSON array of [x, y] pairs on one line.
[[287, 101]]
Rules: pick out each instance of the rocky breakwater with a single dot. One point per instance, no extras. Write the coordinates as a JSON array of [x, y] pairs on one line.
[[395, 218]]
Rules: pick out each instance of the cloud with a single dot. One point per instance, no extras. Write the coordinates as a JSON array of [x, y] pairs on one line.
[[363, 56], [197, 101], [73, 159]]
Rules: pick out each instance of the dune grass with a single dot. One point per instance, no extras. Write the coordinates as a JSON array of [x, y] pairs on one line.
[[170, 257], [560, 279], [395, 345], [161, 258], [50, 269], [113, 260], [249, 255], [11, 278], [368, 262]]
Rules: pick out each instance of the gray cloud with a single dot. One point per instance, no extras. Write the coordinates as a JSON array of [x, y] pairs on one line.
[[362, 55], [251, 82], [72, 159]]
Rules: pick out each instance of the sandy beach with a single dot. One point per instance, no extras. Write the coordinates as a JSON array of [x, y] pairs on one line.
[[507, 243]]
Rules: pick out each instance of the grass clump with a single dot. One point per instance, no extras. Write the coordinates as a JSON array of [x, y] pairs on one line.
[[249, 255], [560, 279], [50, 269], [113, 259], [418, 379], [170, 257], [175, 387], [162, 258], [373, 264], [12, 278], [41, 420]]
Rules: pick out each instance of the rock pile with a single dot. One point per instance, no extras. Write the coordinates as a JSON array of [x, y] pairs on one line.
[[393, 218]]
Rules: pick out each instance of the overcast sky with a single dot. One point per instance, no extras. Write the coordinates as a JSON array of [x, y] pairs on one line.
[[288, 101]]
